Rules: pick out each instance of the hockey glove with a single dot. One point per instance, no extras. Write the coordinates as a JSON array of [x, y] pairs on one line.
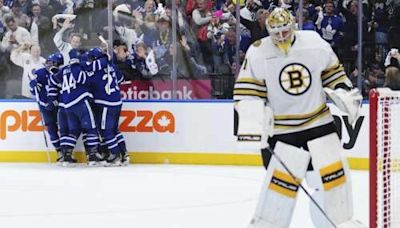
[[34, 84], [347, 101], [51, 105], [255, 121]]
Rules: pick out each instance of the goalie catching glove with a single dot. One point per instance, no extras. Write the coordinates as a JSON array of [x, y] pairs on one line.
[[256, 121], [347, 101]]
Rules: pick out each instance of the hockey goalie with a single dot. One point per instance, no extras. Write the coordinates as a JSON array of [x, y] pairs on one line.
[[280, 97]]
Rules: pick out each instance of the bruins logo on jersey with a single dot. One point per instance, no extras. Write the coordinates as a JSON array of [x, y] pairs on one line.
[[295, 79]]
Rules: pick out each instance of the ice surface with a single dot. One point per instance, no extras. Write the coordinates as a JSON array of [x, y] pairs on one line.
[[142, 196]]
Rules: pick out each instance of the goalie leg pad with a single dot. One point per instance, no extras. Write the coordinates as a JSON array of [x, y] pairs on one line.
[[279, 190], [335, 179]]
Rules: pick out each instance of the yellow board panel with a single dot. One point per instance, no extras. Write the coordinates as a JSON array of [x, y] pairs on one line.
[[164, 158]]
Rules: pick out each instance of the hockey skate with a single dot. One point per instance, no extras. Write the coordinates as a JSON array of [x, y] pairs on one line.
[[114, 160], [95, 158], [60, 157], [125, 159], [67, 160]]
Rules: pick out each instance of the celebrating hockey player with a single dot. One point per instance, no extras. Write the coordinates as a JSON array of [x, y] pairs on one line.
[[75, 98], [47, 109], [103, 82], [288, 72]]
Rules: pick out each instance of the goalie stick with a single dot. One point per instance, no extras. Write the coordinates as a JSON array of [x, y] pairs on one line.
[[301, 186]]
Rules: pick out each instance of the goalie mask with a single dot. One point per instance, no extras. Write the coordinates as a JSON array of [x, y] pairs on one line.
[[281, 26]]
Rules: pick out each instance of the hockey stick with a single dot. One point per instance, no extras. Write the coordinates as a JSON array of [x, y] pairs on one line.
[[42, 122], [301, 186]]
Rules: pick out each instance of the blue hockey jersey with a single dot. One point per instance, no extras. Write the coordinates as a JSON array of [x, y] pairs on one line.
[[42, 77], [71, 82], [103, 80]]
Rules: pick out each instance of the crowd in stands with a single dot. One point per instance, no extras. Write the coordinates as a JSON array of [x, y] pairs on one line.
[[206, 35]]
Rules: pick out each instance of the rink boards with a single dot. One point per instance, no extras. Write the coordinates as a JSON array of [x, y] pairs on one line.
[[176, 132]]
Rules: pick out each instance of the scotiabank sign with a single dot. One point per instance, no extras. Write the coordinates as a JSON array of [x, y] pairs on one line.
[[162, 89]]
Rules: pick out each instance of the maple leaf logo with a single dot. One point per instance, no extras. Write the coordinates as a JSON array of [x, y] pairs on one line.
[[164, 121]]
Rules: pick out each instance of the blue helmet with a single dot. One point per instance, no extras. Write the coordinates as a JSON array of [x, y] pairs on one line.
[[95, 53], [55, 59]]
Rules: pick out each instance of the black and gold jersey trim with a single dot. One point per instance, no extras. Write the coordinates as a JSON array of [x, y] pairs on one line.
[[251, 81], [295, 121], [249, 88]]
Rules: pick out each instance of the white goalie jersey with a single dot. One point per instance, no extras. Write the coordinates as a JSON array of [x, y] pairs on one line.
[[292, 84]]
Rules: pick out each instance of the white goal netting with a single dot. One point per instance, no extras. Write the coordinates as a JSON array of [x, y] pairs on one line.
[[387, 162]]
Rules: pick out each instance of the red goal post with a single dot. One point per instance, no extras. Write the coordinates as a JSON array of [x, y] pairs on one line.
[[384, 160]]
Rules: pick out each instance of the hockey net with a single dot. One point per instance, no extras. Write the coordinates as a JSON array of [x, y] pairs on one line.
[[384, 158]]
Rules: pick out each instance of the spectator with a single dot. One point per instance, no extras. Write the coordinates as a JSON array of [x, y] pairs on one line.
[[215, 33], [36, 15], [149, 8], [376, 78], [201, 17], [144, 61], [307, 23], [15, 36], [74, 41], [8, 3], [28, 57], [25, 6], [330, 27], [380, 26], [21, 18], [256, 27], [3, 10], [44, 28], [229, 47], [394, 29], [350, 37], [392, 77]]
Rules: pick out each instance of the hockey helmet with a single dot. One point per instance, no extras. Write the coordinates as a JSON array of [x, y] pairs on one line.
[[55, 59], [281, 26], [95, 53]]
